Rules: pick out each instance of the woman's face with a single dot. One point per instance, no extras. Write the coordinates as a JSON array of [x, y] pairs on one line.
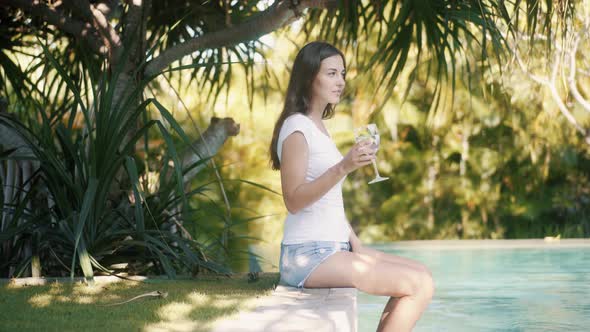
[[329, 83]]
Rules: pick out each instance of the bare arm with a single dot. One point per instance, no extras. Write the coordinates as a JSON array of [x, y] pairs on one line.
[[297, 193]]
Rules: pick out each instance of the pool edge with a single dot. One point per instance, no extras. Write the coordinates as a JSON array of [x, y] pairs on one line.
[[484, 244]]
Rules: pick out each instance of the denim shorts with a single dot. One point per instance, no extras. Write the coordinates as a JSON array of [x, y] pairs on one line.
[[297, 261]]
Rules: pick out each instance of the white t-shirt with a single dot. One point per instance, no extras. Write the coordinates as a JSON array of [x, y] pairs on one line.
[[323, 220]]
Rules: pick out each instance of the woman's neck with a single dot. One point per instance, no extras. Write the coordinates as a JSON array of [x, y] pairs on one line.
[[316, 110]]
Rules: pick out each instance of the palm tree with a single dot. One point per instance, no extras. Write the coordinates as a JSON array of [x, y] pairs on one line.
[[122, 48]]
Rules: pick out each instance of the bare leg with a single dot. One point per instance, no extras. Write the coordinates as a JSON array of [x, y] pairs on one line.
[[412, 286], [379, 255], [399, 313], [389, 307]]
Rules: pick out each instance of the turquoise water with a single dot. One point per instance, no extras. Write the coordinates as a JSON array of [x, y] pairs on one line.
[[533, 289]]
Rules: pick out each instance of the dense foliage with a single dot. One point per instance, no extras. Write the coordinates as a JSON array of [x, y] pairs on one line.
[[102, 97]]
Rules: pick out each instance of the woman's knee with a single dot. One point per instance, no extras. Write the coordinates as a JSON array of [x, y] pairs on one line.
[[421, 284], [372, 276], [423, 268], [427, 284], [426, 281]]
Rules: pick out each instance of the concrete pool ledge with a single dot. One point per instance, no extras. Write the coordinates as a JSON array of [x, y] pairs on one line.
[[291, 309], [546, 243]]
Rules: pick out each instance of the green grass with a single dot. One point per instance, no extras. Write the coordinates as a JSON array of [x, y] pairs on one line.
[[191, 305]]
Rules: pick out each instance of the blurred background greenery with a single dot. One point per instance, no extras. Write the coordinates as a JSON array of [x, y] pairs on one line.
[[475, 132]]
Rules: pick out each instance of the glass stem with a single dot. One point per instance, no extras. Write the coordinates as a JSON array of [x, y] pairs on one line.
[[375, 167]]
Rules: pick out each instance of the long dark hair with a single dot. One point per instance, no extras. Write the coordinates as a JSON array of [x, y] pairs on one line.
[[305, 68]]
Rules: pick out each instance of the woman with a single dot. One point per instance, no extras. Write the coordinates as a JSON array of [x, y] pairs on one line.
[[319, 248]]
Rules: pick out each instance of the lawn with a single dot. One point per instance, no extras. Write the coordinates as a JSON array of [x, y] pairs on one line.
[[191, 305]]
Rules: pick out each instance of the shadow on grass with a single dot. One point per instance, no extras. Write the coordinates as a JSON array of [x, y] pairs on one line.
[[191, 305]]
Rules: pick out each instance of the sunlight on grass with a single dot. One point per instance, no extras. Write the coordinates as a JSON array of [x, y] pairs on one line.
[[95, 289], [41, 300], [176, 311], [78, 295], [199, 298], [73, 293], [177, 326], [191, 305], [85, 300], [225, 303], [201, 310]]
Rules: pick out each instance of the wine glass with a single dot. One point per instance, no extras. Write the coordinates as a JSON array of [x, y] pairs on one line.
[[370, 132]]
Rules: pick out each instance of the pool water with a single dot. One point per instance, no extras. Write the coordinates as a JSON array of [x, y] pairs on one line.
[[495, 289]]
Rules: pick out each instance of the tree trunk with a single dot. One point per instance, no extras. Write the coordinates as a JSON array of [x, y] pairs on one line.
[[433, 171], [204, 147], [207, 146], [17, 183], [463, 174]]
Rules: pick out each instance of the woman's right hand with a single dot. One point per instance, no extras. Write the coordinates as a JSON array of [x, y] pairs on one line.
[[361, 154]]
